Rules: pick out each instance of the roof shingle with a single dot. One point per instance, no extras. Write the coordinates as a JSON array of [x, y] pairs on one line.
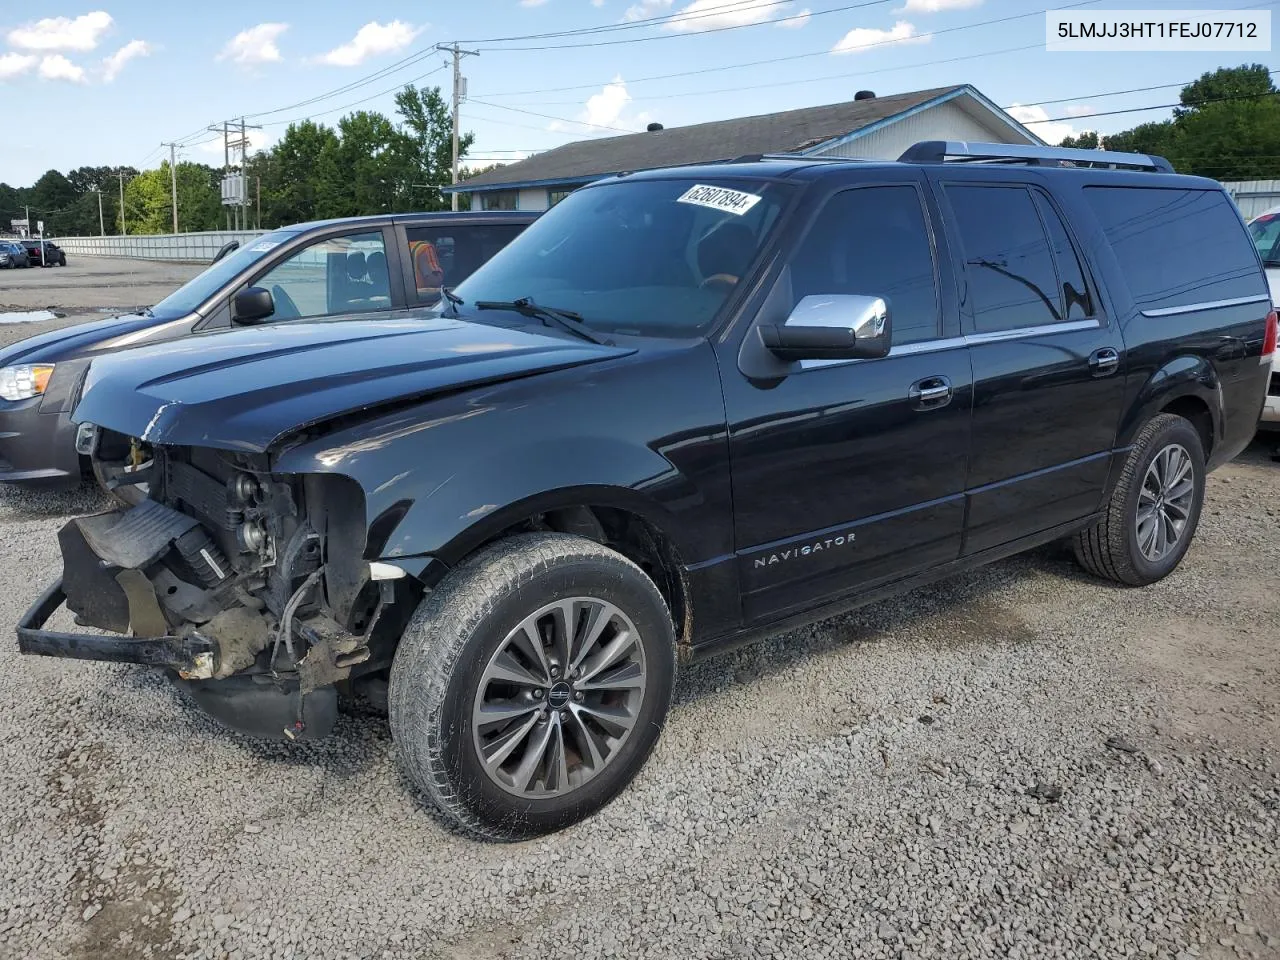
[[784, 132]]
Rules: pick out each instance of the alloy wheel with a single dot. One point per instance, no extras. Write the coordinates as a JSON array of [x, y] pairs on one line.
[[559, 697], [1165, 502]]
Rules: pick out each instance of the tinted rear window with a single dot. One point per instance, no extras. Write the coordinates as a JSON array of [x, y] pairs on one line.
[[1178, 247]]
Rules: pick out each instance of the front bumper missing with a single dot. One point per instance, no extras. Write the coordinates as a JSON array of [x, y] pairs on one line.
[[192, 657]]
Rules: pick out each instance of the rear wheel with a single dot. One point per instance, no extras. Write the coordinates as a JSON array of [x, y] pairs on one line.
[[1154, 508], [532, 684]]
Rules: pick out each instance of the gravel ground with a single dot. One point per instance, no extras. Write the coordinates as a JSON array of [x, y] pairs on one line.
[[1020, 762], [87, 288]]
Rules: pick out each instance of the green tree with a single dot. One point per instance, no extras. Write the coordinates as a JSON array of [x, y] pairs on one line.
[[1086, 141], [299, 174], [428, 130], [1225, 83], [148, 199]]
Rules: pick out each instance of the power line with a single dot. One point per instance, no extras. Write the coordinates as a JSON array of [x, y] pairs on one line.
[[677, 18], [1116, 93], [795, 56], [356, 103], [1157, 106], [547, 116], [737, 7]]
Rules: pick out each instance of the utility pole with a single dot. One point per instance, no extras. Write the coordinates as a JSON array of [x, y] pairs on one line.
[[102, 224], [173, 179], [240, 193], [459, 92], [124, 230]]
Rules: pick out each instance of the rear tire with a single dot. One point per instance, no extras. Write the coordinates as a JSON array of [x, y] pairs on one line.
[[1151, 518], [530, 687]]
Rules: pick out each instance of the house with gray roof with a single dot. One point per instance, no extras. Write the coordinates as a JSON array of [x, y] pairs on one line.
[[867, 127]]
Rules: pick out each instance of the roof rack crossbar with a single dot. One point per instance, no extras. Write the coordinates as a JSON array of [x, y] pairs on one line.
[[942, 151]]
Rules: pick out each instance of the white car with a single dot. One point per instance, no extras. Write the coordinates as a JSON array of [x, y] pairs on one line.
[[1265, 230]]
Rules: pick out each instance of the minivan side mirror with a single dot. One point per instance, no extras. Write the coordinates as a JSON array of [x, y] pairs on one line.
[[252, 305], [832, 327]]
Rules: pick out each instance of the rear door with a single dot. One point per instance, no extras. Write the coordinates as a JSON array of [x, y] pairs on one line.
[[844, 475], [444, 254], [1047, 361]]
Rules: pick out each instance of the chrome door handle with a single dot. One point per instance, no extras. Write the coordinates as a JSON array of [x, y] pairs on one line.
[[1104, 361], [931, 393]]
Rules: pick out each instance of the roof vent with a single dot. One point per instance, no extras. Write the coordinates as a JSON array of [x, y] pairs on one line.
[[654, 127], [865, 95]]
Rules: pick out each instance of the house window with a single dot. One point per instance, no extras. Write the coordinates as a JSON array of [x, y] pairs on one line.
[[555, 196], [500, 200]]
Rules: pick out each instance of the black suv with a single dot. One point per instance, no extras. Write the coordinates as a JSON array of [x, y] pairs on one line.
[[685, 409], [51, 255]]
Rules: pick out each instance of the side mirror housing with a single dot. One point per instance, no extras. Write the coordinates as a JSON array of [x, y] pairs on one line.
[[252, 305], [832, 327]]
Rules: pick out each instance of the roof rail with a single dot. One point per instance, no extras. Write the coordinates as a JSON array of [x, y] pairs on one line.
[[940, 151]]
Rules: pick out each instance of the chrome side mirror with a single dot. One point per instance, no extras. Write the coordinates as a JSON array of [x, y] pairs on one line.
[[832, 327]]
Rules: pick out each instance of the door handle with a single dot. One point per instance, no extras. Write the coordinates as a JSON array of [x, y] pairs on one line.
[[931, 393], [1104, 361]]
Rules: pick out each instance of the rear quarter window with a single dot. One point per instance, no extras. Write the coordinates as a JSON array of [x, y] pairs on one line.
[[1178, 247]]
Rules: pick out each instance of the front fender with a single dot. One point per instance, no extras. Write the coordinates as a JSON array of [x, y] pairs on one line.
[[646, 435]]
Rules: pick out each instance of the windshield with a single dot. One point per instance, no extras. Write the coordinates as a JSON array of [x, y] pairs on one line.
[[641, 257], [201, 287], [1265, 231]]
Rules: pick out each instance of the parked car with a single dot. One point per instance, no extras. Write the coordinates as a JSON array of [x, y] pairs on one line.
[[356, 267], [51, 256], [13, 254], [1265, 230], [687, 408]]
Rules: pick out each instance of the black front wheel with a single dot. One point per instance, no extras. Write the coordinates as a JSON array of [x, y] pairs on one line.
[[532, 684]]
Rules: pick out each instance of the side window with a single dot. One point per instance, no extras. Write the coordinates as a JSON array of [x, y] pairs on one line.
[[333, 276], [1075, 300], [1011, 280], [1177, 247], [873, 241], [444, 256]]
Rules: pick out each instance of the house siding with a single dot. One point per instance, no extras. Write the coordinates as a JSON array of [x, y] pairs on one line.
[[947, 121]]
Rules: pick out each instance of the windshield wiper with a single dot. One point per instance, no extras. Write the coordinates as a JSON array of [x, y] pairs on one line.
[[454, 302], [550, 316]]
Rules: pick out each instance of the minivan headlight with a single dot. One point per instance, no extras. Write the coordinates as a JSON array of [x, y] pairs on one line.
[[24, 381]]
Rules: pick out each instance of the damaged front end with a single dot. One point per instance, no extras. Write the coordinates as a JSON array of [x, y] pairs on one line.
[[249, 586]]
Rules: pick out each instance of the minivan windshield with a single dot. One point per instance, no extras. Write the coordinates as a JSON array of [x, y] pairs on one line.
[[204, 285], [641, 257]]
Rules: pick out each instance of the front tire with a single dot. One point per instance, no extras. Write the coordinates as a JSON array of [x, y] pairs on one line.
[[530, 687], [1154, 508]]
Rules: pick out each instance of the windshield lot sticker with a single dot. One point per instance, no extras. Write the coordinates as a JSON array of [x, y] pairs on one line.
[[720, 198], [263, 246]]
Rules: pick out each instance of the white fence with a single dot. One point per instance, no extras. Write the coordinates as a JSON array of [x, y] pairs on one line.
[[192, 247], [1254, 196]]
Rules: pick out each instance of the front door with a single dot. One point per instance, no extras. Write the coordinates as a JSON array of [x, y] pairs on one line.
[[1047, 364], [847, 474]]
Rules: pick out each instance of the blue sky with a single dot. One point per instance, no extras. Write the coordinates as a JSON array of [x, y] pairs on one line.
[[105, 84]]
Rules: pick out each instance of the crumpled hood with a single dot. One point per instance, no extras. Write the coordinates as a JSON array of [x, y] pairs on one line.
[[244, 389], [75, 341]]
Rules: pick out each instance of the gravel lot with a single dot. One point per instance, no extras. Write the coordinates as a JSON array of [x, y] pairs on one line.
[[1018, 763], [87, 288]]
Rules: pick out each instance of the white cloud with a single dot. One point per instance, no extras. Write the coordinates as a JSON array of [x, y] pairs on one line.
[[597, 3], [62, 33], [1080, 110], [796, 20], [255, 45], [535, 3], [12, 64], [936, 6], [371, 40], [1052, 132], [865, 38], [112, 65], [603, 109], [58, 67], [646, 9], [711, 14]]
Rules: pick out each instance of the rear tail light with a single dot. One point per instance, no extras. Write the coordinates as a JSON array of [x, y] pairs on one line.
[[1269, 341]]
